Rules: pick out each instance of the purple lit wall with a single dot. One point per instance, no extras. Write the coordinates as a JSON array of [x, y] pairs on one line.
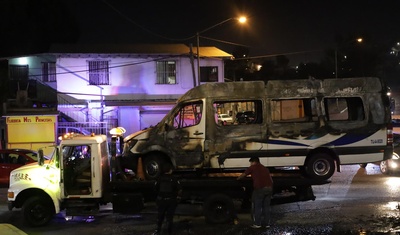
[[130, 79]]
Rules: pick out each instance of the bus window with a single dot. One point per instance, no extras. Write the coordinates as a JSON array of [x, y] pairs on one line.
[[188, 115], [294, 110], [344, 109], [238, 112]]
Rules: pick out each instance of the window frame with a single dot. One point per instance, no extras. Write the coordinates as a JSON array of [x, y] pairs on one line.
[[98, 72], [242, 108], [178, 119], [206, 72], [352, 103], [49, 72], [308, 113], [166, 72], [18, 72]]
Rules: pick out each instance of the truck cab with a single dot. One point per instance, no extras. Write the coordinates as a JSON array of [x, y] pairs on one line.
[[78, 169], [81, 176]]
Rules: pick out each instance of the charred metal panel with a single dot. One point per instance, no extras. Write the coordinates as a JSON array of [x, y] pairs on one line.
[[231, 90], [320, 116], [327, 87]]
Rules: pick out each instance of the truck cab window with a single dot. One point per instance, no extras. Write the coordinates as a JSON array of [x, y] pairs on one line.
[[77, 169], [188, 115]]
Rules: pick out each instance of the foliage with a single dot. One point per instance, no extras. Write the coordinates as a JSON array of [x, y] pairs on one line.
[[371, 58]]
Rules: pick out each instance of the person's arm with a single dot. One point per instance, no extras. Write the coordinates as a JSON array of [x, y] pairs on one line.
[[241, 176]]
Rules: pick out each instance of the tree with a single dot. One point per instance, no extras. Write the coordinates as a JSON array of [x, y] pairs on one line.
[[235, 69]]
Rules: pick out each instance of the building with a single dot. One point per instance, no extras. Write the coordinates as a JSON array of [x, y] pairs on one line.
[[132, 86]]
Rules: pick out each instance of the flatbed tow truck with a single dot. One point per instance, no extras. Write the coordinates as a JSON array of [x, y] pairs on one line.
[[82, 175]]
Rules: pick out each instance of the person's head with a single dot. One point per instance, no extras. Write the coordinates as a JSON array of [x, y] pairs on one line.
[[254, 160]]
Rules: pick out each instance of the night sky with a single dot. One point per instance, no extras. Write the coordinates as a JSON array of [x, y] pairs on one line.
[[273, 27]]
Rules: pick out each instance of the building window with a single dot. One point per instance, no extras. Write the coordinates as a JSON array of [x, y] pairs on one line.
[[166, 72], [209, 74], [48, 72], [99, 73], [19, 72]]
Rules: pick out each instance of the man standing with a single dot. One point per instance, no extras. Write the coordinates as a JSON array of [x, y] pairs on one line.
[[262, 192], [168, 190]]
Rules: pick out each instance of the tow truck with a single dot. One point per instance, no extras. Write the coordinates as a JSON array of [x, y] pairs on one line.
[[85, 172]]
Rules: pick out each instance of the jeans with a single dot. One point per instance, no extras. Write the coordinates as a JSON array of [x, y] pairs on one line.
[[166, 209], [261, 210]]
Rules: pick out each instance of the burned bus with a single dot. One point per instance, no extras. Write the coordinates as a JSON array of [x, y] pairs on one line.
[[311, 125]]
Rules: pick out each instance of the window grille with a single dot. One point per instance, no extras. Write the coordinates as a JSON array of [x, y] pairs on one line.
[[98, 73], [19, 72], [48, 72], [166, 72]]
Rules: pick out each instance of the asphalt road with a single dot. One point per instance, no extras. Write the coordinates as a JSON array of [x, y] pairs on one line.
[[357, 201]]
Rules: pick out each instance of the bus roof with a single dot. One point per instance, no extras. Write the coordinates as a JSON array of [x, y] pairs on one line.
[[287, 88]]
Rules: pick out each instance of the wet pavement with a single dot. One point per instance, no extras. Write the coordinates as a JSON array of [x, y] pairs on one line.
[[358, 201]]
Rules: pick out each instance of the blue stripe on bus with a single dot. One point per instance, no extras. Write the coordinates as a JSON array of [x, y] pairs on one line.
[[344, 140], [349, 139], [284, 142]]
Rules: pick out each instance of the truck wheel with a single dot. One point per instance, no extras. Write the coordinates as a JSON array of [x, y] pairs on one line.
[[320, 166], [218, 209], [152, 166], [37, 211]]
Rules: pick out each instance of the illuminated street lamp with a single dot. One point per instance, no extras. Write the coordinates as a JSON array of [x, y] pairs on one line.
[[359, 40], [240, 20]]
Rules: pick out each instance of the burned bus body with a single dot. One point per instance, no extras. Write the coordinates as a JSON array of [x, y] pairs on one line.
[[315, 125]]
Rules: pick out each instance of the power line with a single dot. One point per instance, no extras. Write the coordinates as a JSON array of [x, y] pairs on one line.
[[222, 41], [110, 67], [273, 55]]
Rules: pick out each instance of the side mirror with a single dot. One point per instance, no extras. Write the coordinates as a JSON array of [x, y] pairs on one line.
[[40, 157]]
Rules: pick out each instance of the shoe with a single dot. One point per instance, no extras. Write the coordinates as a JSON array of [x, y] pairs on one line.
[[267, 226], [255, 226], [156, 233]]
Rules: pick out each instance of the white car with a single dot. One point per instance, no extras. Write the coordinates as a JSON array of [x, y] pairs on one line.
[[224, 119]]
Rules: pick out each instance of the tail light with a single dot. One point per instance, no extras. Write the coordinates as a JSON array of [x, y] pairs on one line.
[[389, 134]]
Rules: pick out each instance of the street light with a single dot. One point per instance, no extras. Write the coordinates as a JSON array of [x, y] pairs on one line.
[[359, 40], [240, 20]]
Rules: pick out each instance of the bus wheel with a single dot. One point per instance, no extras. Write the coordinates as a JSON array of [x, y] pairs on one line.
[[320, 166], [218, 209], [153, 166], [37, 211]]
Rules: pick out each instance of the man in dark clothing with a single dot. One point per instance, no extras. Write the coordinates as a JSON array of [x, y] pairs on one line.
[[262, 192], [168, 190]]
